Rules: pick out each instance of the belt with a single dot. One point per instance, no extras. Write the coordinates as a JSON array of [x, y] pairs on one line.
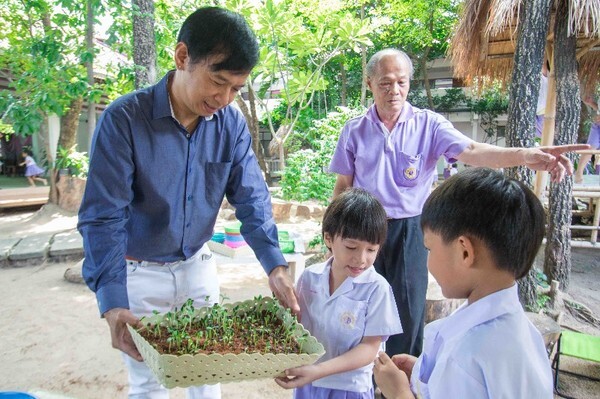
[[203, 257], [129, 258]]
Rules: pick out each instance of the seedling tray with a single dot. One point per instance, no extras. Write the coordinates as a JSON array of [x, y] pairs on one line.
[[200, 369]]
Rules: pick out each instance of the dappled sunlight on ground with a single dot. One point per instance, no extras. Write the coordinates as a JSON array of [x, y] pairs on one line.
[[49, 219]]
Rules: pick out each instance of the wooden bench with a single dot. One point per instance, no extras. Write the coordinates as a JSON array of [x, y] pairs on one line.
[[592, 196], [18, 197]]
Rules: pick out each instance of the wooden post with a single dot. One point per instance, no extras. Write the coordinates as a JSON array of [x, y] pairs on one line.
[[436, 305]]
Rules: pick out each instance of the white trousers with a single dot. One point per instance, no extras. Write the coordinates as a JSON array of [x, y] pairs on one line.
[[164, 287]]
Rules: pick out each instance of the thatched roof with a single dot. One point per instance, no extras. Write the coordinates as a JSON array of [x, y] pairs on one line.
[[484, 42]]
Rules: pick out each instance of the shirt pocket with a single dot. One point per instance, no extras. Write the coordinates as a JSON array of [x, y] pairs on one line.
[[217, 175], [350, 316], [409, 169]]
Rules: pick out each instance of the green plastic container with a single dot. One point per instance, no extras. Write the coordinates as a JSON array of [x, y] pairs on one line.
[[233, 228]]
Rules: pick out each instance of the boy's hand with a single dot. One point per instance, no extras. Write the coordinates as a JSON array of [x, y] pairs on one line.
[[405, 363], [298, 376], [392, 381]]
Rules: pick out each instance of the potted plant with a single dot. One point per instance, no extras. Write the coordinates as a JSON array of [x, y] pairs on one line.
[[252, 339], [62, 162], [71, 163]]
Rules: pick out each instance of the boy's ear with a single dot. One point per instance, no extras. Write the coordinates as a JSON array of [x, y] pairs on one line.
[[467, 250], [328, 240]]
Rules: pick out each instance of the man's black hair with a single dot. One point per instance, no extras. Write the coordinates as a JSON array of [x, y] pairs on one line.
[[503, 213], [211, 31], [357, 215]]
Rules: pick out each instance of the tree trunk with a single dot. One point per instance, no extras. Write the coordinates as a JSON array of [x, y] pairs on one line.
[[557, 261], [50, 157], [89, 41], [343, 85], [69, 123], [525, 84], [144, 47], [363, 62], [425, 74], [253, 126], [524, 89]]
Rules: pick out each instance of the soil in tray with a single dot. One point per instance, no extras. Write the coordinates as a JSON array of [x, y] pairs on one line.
[[255, 329]]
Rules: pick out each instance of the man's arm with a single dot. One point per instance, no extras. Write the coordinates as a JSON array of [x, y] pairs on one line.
[[550, 159], [248, 193], [102, 219], [342, 183], [103, 216]]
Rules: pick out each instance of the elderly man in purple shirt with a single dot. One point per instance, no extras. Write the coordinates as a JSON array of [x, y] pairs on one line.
[[392, 152]]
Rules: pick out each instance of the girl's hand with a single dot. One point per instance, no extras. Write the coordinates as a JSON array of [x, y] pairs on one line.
[[298, 376]]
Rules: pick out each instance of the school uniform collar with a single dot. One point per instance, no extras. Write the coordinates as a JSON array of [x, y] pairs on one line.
[[467, 316], [368, 276]]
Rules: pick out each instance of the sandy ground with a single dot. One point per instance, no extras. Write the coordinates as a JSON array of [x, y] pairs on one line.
[[53, 341]]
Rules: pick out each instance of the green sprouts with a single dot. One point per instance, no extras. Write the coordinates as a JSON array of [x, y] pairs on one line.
[[261, 325]]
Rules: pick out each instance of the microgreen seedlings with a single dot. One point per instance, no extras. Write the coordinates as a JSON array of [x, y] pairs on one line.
[[261, 325]]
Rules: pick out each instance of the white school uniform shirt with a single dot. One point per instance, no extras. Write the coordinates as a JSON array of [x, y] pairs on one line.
[[360, 306], [488, 349]]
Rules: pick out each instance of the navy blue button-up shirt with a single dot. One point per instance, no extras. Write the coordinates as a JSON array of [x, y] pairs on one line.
[[154, 191]]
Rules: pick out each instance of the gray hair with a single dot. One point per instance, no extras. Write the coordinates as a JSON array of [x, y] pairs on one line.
[[376, 58]]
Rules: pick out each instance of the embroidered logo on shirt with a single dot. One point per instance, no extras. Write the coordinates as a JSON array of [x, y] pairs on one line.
[[410, 173], [348, 320]]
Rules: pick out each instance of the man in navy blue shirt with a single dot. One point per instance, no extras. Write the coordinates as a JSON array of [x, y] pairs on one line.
[[162, 160]]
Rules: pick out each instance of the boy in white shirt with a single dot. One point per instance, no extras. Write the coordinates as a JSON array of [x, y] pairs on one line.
[[482, 231]]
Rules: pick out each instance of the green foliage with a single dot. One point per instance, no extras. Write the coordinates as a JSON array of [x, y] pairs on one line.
[[451, 99], [418, 98], [304, 176], [298, 40], [42, 50], [6, 129], [541, 283], [419, 27], [492, 103], [76, 162], [279, 117]]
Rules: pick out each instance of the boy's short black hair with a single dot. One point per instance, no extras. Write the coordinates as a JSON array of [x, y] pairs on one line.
[[503, 213], [357, 215], [212, 31]]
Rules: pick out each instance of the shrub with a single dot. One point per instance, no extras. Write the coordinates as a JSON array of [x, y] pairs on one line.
[[305, 175]]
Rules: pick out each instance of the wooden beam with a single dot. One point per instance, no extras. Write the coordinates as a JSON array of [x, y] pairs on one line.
[[583, 50]]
